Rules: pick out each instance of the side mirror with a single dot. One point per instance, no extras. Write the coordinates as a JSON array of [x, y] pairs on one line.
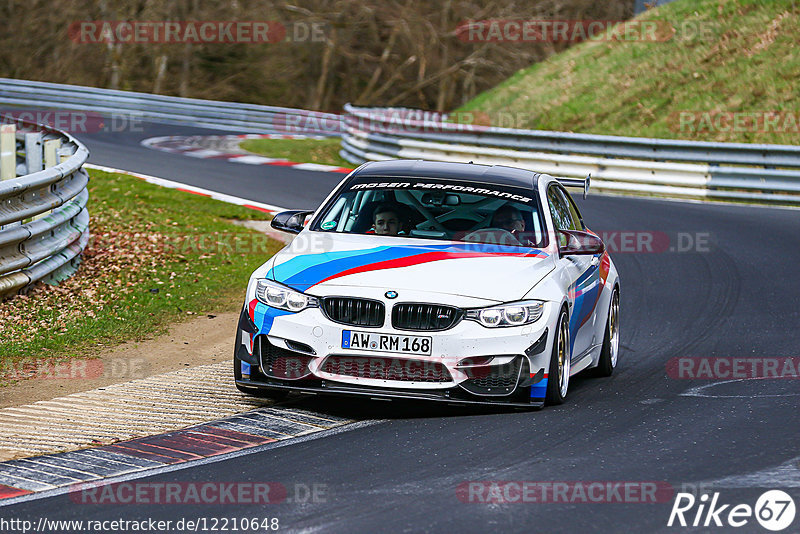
[[576, 242], [290, 221]]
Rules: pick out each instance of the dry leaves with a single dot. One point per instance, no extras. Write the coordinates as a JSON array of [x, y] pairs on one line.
[[114, 263]]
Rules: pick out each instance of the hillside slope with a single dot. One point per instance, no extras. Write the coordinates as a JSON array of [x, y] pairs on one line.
[[729, 72]]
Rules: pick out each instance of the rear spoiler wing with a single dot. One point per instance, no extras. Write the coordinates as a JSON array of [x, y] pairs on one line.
[[582, 183]]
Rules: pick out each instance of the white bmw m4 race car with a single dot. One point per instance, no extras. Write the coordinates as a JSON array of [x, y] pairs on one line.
[[448, 282]]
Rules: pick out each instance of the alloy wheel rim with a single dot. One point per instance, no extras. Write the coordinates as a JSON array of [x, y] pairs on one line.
[[613, 319], [563, 358]]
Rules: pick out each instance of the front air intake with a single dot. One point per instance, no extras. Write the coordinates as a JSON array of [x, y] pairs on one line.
[[277, 362], [424, 317], [354, 311], [383, 368]]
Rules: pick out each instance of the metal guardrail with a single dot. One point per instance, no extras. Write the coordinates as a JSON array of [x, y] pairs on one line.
[[213, 114], [44, 224], [623, 164]]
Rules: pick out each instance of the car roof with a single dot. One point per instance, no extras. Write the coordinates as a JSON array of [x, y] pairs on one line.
[[467, 172]]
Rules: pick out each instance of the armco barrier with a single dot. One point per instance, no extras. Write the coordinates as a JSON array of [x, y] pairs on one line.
[[44, 224], [622, 164], [229, 116]]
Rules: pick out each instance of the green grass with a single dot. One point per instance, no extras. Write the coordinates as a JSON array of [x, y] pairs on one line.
[[156, 256], [323, 151], [736, 56]]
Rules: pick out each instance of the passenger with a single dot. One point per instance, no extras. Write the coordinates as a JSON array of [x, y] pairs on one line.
[[386, 220]]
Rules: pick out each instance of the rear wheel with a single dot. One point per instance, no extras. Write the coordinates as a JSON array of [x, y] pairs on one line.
[[558, 378], [610, 351]]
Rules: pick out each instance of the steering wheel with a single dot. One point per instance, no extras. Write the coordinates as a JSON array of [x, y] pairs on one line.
[[492, 236]]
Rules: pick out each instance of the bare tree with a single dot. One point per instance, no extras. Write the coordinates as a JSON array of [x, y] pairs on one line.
[[372, 52]]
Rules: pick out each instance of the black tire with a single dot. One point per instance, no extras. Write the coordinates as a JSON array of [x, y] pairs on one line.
[[609, 354], [558, 378]]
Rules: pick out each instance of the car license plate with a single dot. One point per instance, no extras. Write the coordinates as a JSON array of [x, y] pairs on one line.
[[375, 342]]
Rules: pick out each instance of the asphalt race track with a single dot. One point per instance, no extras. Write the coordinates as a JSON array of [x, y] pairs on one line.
[[298, 188], [733, 296]]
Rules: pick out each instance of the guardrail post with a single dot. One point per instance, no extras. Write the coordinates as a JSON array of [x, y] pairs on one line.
[[34, 150], [51, 147], [8, 151], [52, 157]]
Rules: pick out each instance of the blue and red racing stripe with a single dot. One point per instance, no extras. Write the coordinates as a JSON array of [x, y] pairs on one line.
[[303, 272]]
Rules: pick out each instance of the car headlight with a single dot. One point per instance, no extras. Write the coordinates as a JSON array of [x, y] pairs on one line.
[[513, 314], [279, 296]]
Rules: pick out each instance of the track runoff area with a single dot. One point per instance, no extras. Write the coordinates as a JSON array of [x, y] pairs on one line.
[[688, 430]]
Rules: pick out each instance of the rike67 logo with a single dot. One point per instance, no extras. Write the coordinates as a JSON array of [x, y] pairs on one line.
[[774, 510]]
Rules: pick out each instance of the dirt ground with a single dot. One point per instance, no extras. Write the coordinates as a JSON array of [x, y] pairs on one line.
[[200, 341]]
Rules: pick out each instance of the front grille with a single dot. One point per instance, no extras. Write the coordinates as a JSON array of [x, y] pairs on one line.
[[354, 311], [277, 362], [411, 316], [493, 379], [381, 368]]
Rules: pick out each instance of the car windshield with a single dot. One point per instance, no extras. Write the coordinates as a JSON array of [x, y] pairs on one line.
[[436, 209]]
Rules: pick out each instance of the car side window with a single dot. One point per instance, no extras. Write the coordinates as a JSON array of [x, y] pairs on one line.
[[559, 210], [561, 216], [575, 215]]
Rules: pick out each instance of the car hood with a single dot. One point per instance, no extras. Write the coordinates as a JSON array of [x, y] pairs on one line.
[[316, 262]]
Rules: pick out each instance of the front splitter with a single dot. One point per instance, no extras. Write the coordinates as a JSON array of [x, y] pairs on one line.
[[327, 388]]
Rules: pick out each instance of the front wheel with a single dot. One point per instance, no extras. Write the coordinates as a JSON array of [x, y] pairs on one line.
[[610, 351], [558, 379]]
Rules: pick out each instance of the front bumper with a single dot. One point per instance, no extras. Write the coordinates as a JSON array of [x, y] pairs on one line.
[[517, 376]]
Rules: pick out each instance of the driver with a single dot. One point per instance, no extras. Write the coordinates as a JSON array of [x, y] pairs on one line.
[[387, 221], [508, 218]]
